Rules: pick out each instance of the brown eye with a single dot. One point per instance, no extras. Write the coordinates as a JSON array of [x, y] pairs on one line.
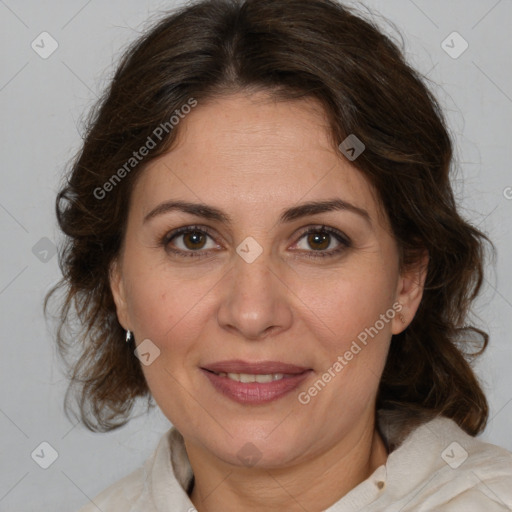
[[194, 240], [319, 241], [188, 241], [323, 241]]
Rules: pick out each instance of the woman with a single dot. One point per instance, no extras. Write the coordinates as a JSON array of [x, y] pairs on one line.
[[262, 210]]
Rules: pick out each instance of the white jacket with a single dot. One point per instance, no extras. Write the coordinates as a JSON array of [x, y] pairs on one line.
[[436, 467]]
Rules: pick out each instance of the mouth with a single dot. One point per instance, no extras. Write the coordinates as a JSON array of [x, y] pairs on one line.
[[262, 378], [254, 383]]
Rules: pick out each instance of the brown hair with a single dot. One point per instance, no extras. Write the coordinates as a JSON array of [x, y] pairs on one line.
[[290, 49]]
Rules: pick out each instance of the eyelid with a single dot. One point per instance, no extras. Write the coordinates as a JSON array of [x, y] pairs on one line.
[[344, 241], [169, 235], [166, 239], [341, 238], [326, 229]]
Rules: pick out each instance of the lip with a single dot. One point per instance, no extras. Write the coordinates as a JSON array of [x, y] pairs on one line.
[[259, 367], [255, 393]]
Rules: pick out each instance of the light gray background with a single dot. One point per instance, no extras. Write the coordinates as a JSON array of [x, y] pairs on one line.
[[43, 101]]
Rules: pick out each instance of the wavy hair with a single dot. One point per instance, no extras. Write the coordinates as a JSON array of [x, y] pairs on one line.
[[290, 49]]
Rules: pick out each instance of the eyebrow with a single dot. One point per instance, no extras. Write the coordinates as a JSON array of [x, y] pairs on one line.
[[289, 215]]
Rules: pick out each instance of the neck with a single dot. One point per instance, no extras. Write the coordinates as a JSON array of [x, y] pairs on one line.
[[313, 484]]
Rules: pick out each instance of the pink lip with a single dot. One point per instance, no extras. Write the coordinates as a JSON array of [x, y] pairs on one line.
[[255, 393]]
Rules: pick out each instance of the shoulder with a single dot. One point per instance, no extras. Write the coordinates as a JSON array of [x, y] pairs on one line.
[[135, 492], [463, 453], [484, 469], [454, 471], [119, 496]]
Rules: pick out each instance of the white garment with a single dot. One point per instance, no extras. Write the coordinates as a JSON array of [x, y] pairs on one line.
[[426, 471]]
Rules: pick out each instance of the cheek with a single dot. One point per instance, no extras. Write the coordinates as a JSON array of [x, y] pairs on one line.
[[162, 296], [172, 312], [167, 307], [351, 337], [346, 302], [351, 326]]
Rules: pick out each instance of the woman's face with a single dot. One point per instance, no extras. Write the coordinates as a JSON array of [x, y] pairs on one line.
[[301, 300]]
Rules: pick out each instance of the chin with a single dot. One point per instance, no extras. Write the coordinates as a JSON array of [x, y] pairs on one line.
[[251, 445]]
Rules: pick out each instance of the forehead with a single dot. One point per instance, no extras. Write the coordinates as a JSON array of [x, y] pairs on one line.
[[248, 153]]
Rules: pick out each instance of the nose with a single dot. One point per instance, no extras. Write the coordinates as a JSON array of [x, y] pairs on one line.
[[255, 301]]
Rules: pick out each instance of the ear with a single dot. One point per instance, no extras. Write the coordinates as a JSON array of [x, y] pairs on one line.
[[118, 288], [409, 292]]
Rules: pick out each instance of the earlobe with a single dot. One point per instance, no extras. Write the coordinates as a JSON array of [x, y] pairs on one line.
[[118, 293], [410, 292]]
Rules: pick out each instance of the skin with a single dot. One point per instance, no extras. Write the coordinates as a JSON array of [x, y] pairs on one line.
[[253, 157]]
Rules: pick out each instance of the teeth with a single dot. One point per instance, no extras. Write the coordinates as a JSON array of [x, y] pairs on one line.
[[246, 377]]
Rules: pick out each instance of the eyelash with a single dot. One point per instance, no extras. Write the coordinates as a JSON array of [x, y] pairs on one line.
[[343, 240]]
